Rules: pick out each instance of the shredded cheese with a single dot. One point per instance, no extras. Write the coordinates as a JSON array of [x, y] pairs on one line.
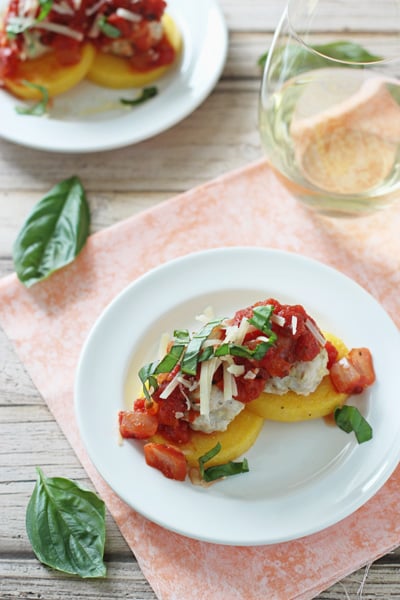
[[294, 324], [27, 23], [128, 15], [316, 333], [207, 371]]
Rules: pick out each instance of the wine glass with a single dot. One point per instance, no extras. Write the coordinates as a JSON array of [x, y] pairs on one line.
[[329, 110]]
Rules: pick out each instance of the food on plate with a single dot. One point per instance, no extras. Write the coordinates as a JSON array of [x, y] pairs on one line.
[[57, 43], [206, 400]]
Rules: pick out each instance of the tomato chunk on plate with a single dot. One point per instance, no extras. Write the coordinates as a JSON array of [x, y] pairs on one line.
[[139, 425], [354, 372], [167, 459]]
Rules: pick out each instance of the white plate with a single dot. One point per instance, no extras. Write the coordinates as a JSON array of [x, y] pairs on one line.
[[303, 476], [90, 118]]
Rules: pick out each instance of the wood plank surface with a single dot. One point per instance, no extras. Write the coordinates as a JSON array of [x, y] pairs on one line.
[[219, 136]]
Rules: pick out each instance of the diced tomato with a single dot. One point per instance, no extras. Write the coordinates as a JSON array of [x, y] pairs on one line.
[[139, 425], [167, 459], [353, 373], [249, 389], [332, 354], [361, 359]]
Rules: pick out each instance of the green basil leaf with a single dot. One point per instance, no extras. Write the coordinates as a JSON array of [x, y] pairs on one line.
[[261, 318], [206, 354], [295, 59], [182, 335], [226, 470], [171, 359], [218, 471], [53, 234], [108, 29], [66, 527], [40, 108], [208, 456], [349, 418], [146, 94], [191, 357], [45, 8], [146, 376]]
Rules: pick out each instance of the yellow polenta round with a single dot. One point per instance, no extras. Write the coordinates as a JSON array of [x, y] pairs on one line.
[[115, 72], [48, 73], [240, 435], [295, 407]]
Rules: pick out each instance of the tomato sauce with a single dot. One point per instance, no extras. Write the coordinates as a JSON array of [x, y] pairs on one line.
[[145, 50]]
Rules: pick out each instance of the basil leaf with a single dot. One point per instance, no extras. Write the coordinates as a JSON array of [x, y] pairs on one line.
[[191, 357], [66, 527], [206, 354], [226, 470], [146, 376], [146, 94], [349, 418], [261, 318], [208, 456], [171, 359], [40, 108], [53, 234], [108, 29], [294, 59], [182, 335], [45, 8]]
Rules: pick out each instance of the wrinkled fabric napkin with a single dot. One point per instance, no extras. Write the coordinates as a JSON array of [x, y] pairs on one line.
[[49, 323]]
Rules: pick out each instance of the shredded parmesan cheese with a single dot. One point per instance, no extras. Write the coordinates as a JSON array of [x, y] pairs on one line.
[[316, 333], [128, 15]]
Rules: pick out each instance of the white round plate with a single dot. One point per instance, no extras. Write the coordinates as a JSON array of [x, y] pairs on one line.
[[90, 118], [303, 476]]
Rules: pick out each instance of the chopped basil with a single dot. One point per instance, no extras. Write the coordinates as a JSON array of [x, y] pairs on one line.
[[53, 234], [66, 526], [349, 419], [261, 318], [192, 354], [206, 354], [244, 352], [219, 471], [171, 359], [45, 8], [108, 29], [40, 108], [146, 94], [182, 335], [146, 376]]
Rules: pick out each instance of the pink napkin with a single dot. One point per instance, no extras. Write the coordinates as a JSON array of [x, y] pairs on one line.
[[49, 323]]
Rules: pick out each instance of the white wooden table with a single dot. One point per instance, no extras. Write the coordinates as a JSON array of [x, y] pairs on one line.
[[219, 136]]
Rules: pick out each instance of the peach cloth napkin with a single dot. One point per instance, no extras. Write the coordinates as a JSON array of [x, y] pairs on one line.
[[49, 323]]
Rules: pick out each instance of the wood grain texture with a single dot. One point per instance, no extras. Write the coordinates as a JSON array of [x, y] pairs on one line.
[[219, 136]]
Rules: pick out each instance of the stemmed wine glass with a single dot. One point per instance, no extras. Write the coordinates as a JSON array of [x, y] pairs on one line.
[[329, 110]]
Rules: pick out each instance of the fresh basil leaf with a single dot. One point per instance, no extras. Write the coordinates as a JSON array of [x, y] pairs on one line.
[[108, 29], [146, 94], [208, 456], [261, 318], [348, 418], [66, 527], [226, 470], [40, 108], [53, 234], [244, 352], [206, 354], [171, 359], [45, 8], [191, 357], [218, 471], [182, 335], [147, 377], [294, 59]]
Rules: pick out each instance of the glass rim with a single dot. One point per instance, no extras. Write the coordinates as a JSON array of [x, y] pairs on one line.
[[300, 39]]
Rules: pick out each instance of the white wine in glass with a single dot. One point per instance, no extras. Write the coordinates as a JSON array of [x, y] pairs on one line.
[[329, 111]]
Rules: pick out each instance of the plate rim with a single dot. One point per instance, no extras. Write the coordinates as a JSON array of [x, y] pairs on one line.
[[234, 540]]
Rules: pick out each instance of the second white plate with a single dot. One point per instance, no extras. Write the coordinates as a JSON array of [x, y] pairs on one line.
[[90, 118], [303, 476]]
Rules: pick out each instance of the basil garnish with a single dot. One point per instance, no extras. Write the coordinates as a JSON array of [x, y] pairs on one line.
[[146, 94], [53, 234], [40, 108], [66, 527], [108, 29], [298, 59], [192, 354], [349, 419], [218, 471], [45, 8]]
